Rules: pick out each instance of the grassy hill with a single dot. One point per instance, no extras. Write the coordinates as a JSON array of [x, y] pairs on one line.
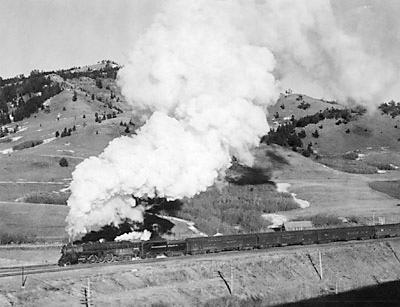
[[32, 174], [371, 130]]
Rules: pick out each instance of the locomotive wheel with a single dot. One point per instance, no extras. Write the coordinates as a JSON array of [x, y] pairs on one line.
[[92, 259], [109, 258]]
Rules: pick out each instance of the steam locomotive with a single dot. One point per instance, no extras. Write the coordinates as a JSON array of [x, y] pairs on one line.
[[97, 252]]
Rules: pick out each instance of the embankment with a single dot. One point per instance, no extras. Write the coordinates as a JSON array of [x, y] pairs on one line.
[[261, 278]]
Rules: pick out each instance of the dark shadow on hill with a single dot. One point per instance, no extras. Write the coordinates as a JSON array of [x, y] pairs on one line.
[[245, 175], [385, 294], [276, 159]]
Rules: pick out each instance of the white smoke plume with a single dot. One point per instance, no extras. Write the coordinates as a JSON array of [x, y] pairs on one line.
[[202, 75]]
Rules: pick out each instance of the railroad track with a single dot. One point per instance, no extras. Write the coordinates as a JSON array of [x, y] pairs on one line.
[[27, 270], [52, 268]]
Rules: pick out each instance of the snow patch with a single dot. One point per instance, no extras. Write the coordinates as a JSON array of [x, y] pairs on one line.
[[49, 140], [6, 151], [22, 129], [64, 190], [360, 157], [16, 138], [301, 202], [188, 223], [283, 187]]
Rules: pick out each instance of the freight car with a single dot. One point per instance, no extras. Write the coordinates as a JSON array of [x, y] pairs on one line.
[[93, 252]]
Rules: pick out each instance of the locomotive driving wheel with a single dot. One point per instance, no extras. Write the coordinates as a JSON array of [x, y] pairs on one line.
[[92, 259], [109, 258]]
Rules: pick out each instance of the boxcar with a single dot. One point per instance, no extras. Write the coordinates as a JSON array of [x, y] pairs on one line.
[[359, 232], [388, 230], [331, 235], [298, 237], [269, 239], [221, 243]]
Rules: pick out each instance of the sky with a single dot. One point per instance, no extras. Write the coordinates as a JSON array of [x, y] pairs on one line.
[[53, 34]]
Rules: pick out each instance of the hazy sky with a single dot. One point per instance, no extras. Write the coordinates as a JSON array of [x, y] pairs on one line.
[[52, 34]]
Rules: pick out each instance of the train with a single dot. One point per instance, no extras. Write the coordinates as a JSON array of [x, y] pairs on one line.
[[106, 252]]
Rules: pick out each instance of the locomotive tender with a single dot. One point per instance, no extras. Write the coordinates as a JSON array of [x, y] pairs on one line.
[[95, 252]]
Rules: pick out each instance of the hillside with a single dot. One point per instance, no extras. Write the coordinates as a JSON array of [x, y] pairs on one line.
[[369, 131], [73, 110], [87, 112]]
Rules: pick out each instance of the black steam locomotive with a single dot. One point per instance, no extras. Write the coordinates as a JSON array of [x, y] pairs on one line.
[[96, 252]]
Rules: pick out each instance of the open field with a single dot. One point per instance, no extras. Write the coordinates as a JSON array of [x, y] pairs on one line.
[[335, 193], [270, 277], [391, 188], [43, 222], [367, 161]]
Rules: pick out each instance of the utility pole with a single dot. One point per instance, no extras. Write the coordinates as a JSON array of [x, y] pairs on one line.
[[231, 278], [320, 265], [23, 278], [87, 295]]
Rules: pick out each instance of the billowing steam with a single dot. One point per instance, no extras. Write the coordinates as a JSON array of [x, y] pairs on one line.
[[202, 75]]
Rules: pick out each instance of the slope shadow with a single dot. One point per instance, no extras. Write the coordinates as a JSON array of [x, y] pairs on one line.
[[385, 294]]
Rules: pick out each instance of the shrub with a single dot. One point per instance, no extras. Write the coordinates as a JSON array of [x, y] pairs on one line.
[[27, 144], [302, 134], [321, 220], [63, 162], [303, 105], [9, 238], [99, 84], [47, 198], [235, 209], [350, 155]]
